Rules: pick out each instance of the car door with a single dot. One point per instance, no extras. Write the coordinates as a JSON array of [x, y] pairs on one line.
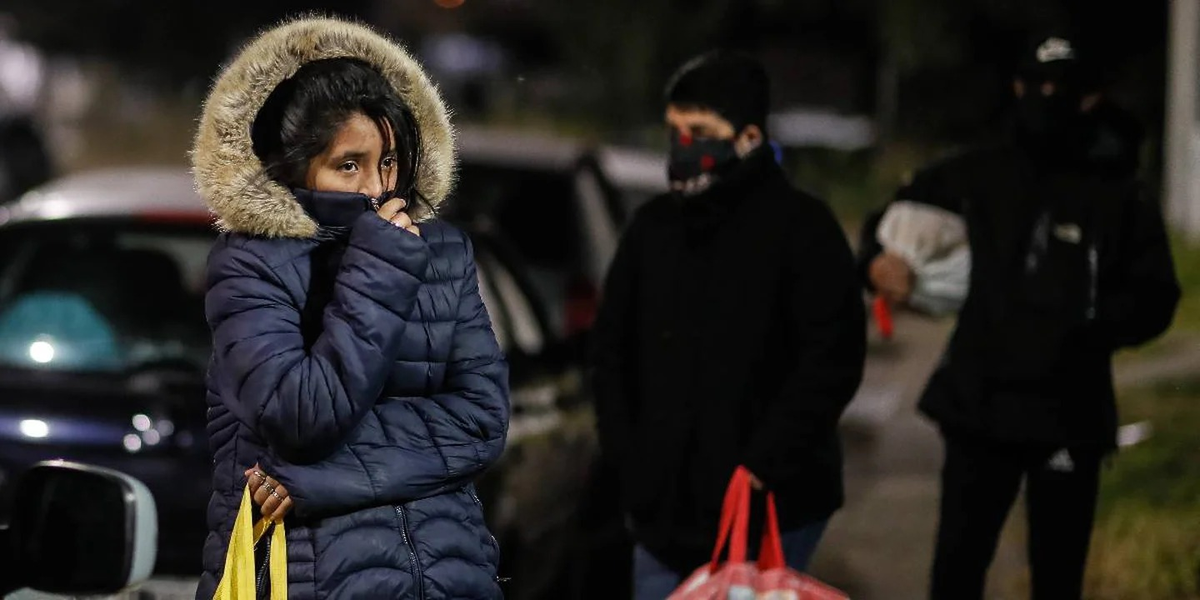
[[532, 496]]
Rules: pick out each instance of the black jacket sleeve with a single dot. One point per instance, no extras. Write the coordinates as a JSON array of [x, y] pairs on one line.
[[868, 247], [1138, 291], [614, 346], [827, 321]]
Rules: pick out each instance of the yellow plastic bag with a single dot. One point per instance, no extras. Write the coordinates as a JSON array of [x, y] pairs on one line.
[[238, 582]]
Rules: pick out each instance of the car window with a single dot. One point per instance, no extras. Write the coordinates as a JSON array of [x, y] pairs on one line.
[[600, 233], [495, 309], [103, 296], [520, 202], [514, 318], [523, 322]]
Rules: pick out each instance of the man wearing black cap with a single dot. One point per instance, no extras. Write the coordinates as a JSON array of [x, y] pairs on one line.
[[731, 333], [1069, 262]]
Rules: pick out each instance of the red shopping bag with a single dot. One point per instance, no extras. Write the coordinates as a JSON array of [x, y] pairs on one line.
[[736, 579]]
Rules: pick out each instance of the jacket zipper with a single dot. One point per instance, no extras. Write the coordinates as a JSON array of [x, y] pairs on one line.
[[1094, 272], [412, 552], [263, 567], [495, 543], [479, 503]]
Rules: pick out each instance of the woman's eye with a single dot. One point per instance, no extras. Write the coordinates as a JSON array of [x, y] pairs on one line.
[[348, 167], [389, 162]]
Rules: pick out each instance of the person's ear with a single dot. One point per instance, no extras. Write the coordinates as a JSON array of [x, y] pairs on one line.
[[750, 138], [1018, 88]]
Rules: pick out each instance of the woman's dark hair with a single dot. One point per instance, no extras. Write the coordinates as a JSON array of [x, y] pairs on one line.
[[302, 115]]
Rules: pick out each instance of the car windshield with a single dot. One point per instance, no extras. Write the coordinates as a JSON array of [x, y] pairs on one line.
[[520, 201], [103, 296]]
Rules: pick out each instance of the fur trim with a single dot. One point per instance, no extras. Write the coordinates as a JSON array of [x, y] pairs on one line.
[[229, 175]]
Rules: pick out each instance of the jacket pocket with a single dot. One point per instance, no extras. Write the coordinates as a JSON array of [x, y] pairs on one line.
[[482, 520]]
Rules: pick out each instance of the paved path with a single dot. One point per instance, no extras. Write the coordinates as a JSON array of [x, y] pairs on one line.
[[880, 546]]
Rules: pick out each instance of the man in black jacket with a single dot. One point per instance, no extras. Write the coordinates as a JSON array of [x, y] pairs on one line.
[[1069, 262], [732, 333]]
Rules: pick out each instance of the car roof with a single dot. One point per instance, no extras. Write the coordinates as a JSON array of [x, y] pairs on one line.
[[522, 149], [632, 168], [624, 167], [105, 193]]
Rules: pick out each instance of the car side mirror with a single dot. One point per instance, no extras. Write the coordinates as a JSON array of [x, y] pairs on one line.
[[80, 530]]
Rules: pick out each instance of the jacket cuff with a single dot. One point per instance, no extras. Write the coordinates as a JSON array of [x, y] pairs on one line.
[[399, 247]]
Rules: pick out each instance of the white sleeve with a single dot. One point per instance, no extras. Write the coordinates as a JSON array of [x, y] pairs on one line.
[[920, 233], [941, 285], [933, 242]]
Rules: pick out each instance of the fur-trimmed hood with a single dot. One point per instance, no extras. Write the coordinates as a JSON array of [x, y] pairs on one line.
[[229, 176]]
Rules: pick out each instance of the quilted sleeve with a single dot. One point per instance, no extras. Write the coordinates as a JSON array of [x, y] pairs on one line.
[[304, 401], [432, 444]]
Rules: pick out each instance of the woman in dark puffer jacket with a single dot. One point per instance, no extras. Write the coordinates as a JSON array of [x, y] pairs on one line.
[[353, 359]]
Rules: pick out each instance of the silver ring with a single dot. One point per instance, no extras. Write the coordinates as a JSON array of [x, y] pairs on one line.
[[270, 488], [277, 496]]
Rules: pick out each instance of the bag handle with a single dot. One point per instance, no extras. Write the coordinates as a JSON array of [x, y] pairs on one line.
[[238, 581], [737, 504], [883, 317], [735, 526], [770, 556]]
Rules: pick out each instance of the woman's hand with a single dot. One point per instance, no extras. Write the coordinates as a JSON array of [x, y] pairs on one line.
[[393, 212], [268, 494]]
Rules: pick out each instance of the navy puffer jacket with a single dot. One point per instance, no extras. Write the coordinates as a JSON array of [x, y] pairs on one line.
[[375, 402]]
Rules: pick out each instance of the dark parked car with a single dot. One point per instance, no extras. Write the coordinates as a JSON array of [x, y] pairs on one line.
[[561, 202], [103, 341], [103, 346]]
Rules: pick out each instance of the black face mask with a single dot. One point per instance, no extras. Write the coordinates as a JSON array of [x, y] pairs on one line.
[[1046, 116], [1053, 127], [692, 157]]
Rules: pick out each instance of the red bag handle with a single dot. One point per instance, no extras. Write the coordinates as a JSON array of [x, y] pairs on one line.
[[883, 317], [737, 504], [770, 556], [735, 526]]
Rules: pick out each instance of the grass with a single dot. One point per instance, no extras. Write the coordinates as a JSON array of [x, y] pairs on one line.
[[1146, 542], [1187, 267], [1147, 536]]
